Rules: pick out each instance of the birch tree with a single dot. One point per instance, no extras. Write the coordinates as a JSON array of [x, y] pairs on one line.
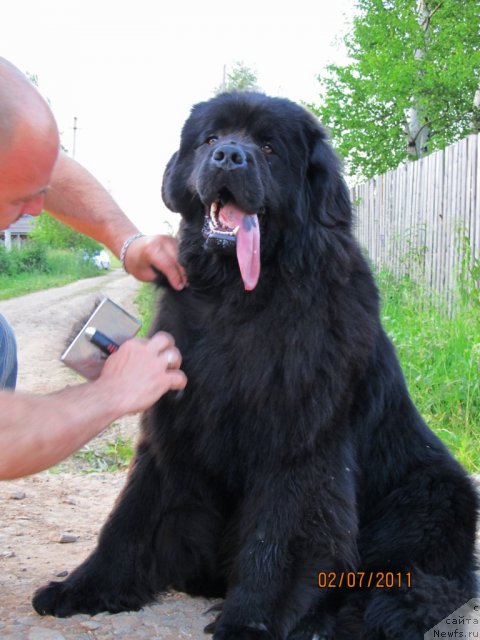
[[410, 85]]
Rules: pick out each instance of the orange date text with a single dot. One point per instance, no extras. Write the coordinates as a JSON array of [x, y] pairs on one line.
[[364, 579]]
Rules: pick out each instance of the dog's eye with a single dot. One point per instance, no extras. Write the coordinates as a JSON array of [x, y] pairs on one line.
[[211, 139], [267, 149]]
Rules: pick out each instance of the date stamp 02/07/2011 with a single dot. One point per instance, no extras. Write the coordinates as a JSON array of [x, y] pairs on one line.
[[364, 579]]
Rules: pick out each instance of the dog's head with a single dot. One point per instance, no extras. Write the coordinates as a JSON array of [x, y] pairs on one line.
[[251, 174]]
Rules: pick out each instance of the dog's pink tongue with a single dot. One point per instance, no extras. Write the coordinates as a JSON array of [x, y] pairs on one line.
[[248, 243]]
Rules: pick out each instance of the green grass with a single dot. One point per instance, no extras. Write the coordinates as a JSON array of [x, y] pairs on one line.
[[13, 286], [146, 301], [440, 357], [114, 456], [58, 268]]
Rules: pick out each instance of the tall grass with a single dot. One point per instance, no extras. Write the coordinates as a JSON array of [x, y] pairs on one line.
[[440, 356]]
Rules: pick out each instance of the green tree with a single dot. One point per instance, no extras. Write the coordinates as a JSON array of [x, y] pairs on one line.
[[239, 78], [51, 232], [409, 86]]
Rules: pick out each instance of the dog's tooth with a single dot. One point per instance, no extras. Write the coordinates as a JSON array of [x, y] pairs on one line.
[[235, 231], [212, 212]]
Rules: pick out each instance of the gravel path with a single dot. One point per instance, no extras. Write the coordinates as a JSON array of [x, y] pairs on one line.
[[39, 515], [40, 512]]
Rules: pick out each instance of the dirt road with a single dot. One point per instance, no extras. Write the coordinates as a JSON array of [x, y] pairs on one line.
[[43, 322], [35, 512]]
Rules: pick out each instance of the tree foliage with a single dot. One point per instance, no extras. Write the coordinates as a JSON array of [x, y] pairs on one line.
[[51, 232], [239, 78], [408, 59]]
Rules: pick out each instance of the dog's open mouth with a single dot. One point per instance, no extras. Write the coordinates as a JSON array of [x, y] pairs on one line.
[[227, 226]]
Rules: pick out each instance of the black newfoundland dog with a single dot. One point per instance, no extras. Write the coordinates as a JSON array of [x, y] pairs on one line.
[[293, 477]]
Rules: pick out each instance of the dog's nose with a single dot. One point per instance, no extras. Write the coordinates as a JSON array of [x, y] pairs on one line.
[[229, 157]]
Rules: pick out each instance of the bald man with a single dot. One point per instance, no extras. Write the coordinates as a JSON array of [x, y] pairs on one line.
[[33, 176], [39, 431]]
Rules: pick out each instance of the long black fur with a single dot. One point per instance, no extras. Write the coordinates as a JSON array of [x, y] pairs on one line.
[[295, 448]]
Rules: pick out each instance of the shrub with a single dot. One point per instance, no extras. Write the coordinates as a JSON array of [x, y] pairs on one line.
[[31, 257], [53, 234]]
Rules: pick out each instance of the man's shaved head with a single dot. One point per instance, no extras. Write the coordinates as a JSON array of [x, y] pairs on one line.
[[29, 145], [22, 108]]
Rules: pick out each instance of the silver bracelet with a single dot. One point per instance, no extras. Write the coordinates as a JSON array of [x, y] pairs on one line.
[[126, 244]]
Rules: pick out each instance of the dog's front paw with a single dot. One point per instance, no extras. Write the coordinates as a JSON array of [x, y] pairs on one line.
[[234, 630], [58, 599], [64, 599]]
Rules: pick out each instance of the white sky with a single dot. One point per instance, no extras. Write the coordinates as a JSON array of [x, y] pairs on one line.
[[130, 71]]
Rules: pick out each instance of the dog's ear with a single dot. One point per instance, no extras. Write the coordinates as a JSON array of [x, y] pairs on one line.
[[176, 194], [168, 194], [329, 195]]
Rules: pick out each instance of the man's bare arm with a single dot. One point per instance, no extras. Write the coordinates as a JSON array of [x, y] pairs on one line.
[[39, 431], [77, 198]]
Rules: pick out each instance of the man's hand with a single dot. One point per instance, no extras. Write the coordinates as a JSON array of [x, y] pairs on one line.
[[141, 371], [160, 252]]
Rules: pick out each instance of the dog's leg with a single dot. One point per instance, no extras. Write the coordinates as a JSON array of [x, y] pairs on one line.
[[422, 534], [293, 525], [154, 538]]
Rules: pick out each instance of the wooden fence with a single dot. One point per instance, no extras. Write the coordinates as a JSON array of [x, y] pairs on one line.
[[423, 219]]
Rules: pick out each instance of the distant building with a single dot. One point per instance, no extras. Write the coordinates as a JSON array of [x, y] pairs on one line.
[[17, 233]]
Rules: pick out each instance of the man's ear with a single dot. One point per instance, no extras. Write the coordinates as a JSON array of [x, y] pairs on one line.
[[329, 195]]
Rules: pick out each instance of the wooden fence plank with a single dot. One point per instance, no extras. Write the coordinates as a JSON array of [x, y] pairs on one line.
[[417, 219]]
